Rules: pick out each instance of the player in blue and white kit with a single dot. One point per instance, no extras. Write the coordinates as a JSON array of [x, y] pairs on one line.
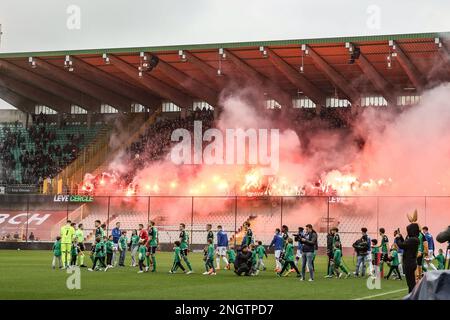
[[430, 256], [222, 247], [278, 243]]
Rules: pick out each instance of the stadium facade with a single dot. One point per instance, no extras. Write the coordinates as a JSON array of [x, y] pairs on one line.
[[89, 92]]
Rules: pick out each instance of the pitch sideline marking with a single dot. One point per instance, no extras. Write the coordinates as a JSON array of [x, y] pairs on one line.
[[381, 294]]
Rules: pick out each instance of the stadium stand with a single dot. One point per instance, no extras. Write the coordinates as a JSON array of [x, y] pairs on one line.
[[29, 155], [155, 142]]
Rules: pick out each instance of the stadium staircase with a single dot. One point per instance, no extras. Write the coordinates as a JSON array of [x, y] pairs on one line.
[[95, 157]]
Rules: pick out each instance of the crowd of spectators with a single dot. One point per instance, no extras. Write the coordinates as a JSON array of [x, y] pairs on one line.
[[155, 143], [329, 118], [41, 157], [8, 163], [16, 236], [13, 237]]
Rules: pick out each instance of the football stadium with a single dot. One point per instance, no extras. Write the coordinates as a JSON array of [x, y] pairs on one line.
[[312, 168]]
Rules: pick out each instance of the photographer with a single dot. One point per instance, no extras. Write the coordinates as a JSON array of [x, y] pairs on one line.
[[309, 242], [410, 246], [361, 247], [243, 263]]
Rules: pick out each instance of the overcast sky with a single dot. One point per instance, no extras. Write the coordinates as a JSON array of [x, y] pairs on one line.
[[30, 25]]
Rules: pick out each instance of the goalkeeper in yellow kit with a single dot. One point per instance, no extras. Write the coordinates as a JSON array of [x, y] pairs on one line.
[[67, 235]]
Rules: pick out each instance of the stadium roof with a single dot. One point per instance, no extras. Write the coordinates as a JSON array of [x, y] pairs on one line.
[[418, 60]]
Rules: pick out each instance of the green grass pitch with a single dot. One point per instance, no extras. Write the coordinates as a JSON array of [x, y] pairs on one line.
[[28, 274]]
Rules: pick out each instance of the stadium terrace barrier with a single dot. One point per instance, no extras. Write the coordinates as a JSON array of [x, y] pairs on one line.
[[41, 216]]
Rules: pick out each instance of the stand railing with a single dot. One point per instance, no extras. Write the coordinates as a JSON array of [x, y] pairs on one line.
[[40, 214]]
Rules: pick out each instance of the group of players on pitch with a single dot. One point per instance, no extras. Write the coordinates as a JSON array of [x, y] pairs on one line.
[[110, 251]]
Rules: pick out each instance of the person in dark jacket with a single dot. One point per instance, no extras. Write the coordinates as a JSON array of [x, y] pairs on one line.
[[410, 246], [309, 242], [361, 247], [330, 237], [243, 262]]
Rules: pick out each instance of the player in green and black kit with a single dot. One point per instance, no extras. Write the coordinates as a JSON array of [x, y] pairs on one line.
[[99, 233], [375, 257], [74, 251], [231, 256], [209, 261], [248, 237], [337, 261], [420, 256], [209, 235], [394, 263], [336, 238], [384, 248], [184, 246], [441, 260], [134, 245], [177, 255], [123, 247], [99, 254], [332, 238], [57, 253], [260, 252], [153, 241], [285, 236], [109, 245], [142, 251], [289, 259]]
